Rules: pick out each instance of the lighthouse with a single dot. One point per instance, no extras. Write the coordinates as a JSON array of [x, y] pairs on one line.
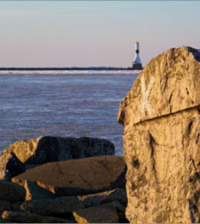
[[137, 65]]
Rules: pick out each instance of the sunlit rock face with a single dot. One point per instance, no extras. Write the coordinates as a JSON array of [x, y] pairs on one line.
[[168, 84], [161, 116]]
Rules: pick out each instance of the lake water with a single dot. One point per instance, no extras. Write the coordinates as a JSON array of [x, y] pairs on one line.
[[80, 104]]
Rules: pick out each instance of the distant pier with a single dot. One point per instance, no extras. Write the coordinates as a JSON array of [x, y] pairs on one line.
[[62, 69]]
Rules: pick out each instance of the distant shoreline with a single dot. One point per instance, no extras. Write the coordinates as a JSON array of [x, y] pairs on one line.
[[64, 69]]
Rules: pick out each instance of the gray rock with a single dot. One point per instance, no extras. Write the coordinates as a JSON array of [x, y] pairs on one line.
[[30, 218], [49, 206], [4, 221], [10, 166], [11, 192], [5, 205], [69, 204], [96, 215], [52, 149], [114, 204]]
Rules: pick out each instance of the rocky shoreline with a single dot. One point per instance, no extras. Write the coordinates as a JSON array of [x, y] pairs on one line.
[[52, 179], [62, 180]]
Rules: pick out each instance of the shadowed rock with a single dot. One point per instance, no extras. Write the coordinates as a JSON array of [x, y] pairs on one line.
[[96, 215], [10, 166], [120, 208], [5, 205], [11, 192], [65, 205], [50, 149], [33, 191], [21, 217]]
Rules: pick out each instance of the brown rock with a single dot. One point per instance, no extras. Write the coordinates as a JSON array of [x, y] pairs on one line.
[[11, 192], [30, 218], [104, 197], [10, 166], [22, 149], [75, 177], [96, 215], [51, 149], [69, 204], [168, 84], [162, 151]]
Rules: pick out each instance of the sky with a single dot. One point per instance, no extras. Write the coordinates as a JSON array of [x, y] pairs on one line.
[[93, 33]]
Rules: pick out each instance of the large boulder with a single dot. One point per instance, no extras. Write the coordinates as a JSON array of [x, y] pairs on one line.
[[161, 115], [168, 84], [50, 149], [11, 191], [10, 166], [76, 177]]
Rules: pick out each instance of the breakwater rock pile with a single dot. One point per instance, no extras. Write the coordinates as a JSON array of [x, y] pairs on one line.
[[62, 180], [161, 116]]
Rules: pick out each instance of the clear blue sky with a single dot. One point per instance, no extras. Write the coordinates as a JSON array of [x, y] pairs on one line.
[[93, 33]]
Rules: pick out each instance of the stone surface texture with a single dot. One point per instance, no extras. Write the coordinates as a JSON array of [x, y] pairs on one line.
[[21, 217], [22, 149], [11, 191], [49, 207], [10, 166], [91, 200], [169, 83], [75, 177], [50, 149], [161, 115], [96, 215], [69, 204]]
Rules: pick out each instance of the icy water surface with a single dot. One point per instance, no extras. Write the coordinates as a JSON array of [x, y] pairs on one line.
[[33, 105]]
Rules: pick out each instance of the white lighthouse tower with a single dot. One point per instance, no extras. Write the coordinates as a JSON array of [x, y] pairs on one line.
[[137, 65]]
